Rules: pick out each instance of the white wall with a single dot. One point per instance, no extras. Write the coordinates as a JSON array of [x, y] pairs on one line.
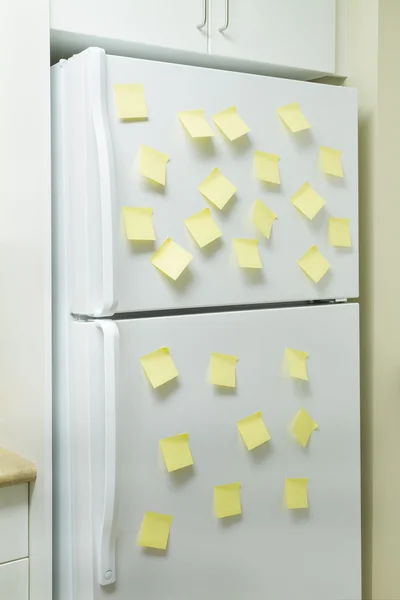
[[374, 53], [25, 292]]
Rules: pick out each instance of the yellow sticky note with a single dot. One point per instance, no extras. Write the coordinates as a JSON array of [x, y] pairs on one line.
[[253, 431], [176, 452], [223, 369], [202, 227], [307, 201], [247, 253], [339, 232], [303, 426], [267, 166], [263, 218], [217, 188], [330, 161], [296, 360], [314, 264], [296, 493], [230, 123], [171, 259], [292, 116], [159, 367], [130, 101], [154, 532], [153, 164], [195, 123], [227, 500], [138, 223]]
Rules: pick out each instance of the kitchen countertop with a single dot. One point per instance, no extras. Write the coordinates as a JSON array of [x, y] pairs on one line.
[[14, 469]]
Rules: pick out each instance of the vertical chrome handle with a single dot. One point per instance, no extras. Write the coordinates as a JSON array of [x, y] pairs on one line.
[[227, 8], [204, 21], [106, 555]]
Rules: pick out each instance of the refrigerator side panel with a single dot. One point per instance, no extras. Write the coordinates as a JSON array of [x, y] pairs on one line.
[[62, 478]]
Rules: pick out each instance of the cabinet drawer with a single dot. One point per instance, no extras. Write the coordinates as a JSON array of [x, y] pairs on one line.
[[14, 580], [13, 523]]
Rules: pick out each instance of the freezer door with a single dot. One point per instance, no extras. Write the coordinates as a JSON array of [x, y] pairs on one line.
[[268, 551], [109, 274]]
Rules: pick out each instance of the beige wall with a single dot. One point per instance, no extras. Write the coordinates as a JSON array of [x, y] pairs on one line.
[[374, 58]]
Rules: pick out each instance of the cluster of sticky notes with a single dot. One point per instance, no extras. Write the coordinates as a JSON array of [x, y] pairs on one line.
[[172, 259]]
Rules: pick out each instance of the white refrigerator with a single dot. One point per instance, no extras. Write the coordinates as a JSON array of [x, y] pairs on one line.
[[112, 307]]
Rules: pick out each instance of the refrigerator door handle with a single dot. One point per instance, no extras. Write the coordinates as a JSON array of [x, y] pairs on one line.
[[98, 94], [106, 552]]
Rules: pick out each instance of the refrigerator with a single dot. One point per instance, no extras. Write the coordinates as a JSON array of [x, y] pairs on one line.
[[112, 307]]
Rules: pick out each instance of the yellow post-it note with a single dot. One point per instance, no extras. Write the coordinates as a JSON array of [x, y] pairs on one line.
[[227, 500], [217, 189], [339, 232], [153, 164], [138, 223], [171, 259], [292, 116], [253, 431], [331, 161], [296, 493], [202, 227], [195, 123], [296, 360], [303, 426], [159, 367], [263, 218], [267, 166], [307, 201], [223, 369], [314, 264], [247, 253], [154, 532], [230, 123], [176, 452], [130, 101]]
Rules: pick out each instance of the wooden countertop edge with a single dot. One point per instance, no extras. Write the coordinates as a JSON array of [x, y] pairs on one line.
[[14, 469]]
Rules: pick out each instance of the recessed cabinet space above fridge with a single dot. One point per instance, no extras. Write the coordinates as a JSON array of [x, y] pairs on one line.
[[289, 38]]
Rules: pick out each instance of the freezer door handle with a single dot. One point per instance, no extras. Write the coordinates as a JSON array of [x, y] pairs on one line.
[[106, 551], [98, 95]]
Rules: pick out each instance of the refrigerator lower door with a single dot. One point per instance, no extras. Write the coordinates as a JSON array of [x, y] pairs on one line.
[[268, 551], [100, 170]]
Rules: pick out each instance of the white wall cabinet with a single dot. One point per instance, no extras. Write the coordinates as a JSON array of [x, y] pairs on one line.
[[258, 35], [14, 580], [295, 33], [168, 23]]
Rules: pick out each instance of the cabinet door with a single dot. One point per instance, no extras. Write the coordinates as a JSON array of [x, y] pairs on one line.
[[14, 580], [167, 23], [295, 33], [13, 523]]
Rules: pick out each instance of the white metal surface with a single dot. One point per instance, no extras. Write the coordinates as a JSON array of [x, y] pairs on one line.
[[13, 523], [288, 32], [306, 555], [171, 24], [14, 580], [213, 277]]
